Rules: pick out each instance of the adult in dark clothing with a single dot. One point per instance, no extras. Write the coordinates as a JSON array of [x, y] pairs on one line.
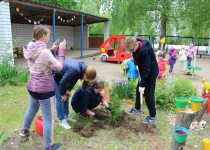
[[144, 57], [72, 71], [84, 100]]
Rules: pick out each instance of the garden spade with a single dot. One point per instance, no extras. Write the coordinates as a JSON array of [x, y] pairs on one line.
[[141, 106]]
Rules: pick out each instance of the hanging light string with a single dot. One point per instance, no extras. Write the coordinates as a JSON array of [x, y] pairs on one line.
[[29, 20], [39, 21], [66, 20]]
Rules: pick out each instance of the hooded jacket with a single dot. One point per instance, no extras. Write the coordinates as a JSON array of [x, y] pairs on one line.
[[72, 71], [85, 99], [145, 59], [40, 62], [131, 70], [172, 58], [162, 65]]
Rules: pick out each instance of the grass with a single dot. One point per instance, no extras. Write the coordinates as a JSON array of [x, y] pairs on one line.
[[14, 102]]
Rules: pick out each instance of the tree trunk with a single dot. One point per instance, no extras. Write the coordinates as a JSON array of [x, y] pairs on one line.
[[199, 116], [183, 119], [163, 30]]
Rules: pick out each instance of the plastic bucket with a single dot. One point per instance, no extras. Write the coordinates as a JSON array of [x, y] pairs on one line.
[[196, 103], [189, 103], [39, 125], [206, 144], [180, 134], [181, 103]]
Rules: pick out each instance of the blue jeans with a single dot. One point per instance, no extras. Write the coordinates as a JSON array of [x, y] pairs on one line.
[[62, 108], [189, 61], [47, 108], [171, 68]]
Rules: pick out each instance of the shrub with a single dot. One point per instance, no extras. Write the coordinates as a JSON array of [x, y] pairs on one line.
[[183, 88], [166, 91], [163, 95], [9, 73], [124, 89], [116, 112]]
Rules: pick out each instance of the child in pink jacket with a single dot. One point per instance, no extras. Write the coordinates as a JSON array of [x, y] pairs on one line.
[[162, 65], [41, 84]]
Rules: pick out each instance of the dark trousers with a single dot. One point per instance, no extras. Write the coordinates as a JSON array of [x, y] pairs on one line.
[[78, 108], [149, 94]]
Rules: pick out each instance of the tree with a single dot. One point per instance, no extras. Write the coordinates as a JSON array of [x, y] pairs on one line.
[[196, 16], [61, 3], [162, 17], [142, 16]]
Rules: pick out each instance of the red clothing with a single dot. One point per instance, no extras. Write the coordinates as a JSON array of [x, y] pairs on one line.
[[162, 67]]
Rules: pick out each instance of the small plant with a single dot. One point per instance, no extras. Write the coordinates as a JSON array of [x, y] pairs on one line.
[[116, 112]]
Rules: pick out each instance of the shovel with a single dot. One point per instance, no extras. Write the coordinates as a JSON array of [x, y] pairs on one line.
[[141, 106]]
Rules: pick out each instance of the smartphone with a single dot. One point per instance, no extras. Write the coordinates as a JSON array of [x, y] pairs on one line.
[[58, 42]]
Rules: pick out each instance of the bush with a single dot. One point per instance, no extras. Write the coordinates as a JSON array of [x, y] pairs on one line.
[[9, 73], [166, 90], [183, 88], [124, 89], [116, 112]]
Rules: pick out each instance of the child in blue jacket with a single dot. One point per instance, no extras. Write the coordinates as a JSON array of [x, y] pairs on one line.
[[84, 100], [132, 72]]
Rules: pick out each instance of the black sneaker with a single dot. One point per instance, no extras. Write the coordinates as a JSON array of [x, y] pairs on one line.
[[55, 146], [24, 133]]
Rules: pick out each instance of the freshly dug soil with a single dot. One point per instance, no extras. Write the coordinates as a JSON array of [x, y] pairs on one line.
[[129, 122]]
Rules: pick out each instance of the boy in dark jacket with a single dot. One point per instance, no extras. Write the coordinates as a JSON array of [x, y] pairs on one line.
[[84, 100], [144, 57], [72, 71]]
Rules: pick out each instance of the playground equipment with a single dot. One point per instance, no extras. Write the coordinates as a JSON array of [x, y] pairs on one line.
[[108, 53], [206, 86], [192, 69]]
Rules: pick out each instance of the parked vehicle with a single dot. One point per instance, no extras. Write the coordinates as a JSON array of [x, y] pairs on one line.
[[113, 49]]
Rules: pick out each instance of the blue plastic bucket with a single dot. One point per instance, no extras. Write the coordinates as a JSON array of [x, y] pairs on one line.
[[180, 134]]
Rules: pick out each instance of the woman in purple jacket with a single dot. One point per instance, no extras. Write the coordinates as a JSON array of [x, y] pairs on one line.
[[172, 60]]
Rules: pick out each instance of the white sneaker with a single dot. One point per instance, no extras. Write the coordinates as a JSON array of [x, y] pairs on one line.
[[71, 119], [65, 124]]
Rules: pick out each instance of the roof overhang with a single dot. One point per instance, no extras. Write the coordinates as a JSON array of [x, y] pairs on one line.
[[36, 11]]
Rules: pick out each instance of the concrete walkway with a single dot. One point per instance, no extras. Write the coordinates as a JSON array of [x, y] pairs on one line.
[[76, 54]]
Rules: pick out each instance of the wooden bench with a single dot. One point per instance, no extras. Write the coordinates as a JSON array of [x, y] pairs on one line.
[[202, 53]]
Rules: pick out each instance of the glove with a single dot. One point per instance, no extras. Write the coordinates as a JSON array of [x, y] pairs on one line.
[[109, 109], [141, 89], [98, 117]]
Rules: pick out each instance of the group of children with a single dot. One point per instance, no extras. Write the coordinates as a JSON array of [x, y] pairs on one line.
[[165, 65], [51, 76], [185, 58]]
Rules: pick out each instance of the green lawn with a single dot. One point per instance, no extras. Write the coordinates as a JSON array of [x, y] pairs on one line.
[[13, 104]]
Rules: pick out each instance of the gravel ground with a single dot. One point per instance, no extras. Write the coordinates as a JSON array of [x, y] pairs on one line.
[[109, 71]]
